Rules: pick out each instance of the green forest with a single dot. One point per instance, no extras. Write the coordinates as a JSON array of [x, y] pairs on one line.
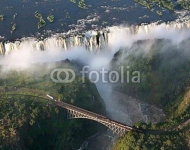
[[28, 120], [165, 83], [159, 6]]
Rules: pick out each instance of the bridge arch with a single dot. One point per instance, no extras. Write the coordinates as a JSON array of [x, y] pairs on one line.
[[117, 128]]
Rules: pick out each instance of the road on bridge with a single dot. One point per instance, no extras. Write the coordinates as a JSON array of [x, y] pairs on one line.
[[76, 112]]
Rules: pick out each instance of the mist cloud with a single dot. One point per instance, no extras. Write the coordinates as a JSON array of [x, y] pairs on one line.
[[119, 37]]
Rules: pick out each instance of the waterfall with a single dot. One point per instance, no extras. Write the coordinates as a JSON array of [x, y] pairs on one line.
[[92, 40]]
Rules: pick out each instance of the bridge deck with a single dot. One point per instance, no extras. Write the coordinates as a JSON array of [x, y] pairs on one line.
[[76, 112], [92, 114]]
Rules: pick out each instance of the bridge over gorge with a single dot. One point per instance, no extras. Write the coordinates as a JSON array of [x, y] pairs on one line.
[[76, 112]]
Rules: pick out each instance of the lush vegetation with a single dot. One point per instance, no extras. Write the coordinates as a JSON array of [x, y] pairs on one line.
[[50, 18], [165, 82], [159, 5], [30, 121], [81, 3], [164, 69], [41, 22], [184, 4], [145, 141], [157, 136]]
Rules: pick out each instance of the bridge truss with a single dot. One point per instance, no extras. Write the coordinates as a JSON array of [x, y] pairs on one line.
[[116, 127]]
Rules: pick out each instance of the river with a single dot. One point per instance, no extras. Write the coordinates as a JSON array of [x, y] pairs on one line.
[[68, 16]]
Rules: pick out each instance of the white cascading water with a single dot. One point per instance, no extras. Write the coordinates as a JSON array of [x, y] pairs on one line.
[[95, 40]]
